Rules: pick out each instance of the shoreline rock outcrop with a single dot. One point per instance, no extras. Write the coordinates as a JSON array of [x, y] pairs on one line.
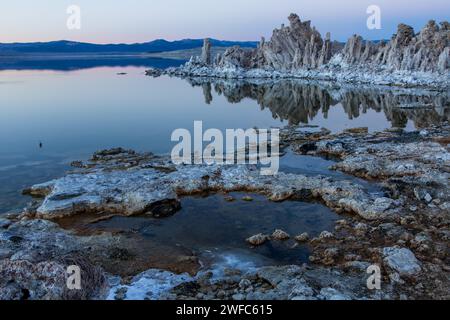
[[427, 51], [300, 51]]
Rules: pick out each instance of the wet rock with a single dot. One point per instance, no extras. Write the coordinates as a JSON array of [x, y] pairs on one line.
[[46, 280], [5, 253], [428, 198], [401, 260], [258, 239], [304, 237], [362, 130], [143, 187], [247, 198], [280, 235], [5, 223], [244, 284], [153, 72], [77, 164], [121, 294], [326, 235], [163, 208], [332, 294], [228, 198], [238, 296]]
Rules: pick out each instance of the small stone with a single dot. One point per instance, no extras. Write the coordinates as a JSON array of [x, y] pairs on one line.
[[258, 239], [361, 130], [229, 272], [238, 296], [5, 253], [428, 198], [249, 289], [153, 72], [279, 234], [199, 296], [304, 237], [326, 235], [401, 260], [228, 198], [247, 198], [5, 223], [333, 294], [244, 284], [121, 293], [77, 164], [361, 228], [221, 294]]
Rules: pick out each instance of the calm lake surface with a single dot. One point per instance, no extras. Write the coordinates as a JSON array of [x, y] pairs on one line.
[[74, 113]]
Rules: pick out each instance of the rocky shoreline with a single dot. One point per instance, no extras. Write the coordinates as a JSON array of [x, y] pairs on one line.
[[298, 51], [405, 231]]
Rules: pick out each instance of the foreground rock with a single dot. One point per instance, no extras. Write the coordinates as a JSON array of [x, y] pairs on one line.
[[127, 183], [404, 232], [280, 235], [402, 260], [413, 165], [299, 51], [258, 239]]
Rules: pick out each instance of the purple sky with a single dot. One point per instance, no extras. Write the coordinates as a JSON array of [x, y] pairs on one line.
[[106, 21]]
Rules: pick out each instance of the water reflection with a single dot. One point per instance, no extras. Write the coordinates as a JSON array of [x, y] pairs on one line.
[[62, 62], [299, 102]]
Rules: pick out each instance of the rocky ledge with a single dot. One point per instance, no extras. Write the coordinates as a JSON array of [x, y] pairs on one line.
[[404, 232], [299, 51], [128, 183]]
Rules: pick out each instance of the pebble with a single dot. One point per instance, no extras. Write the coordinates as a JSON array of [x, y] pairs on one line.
[[279, 234], [258, 239], [326, 235], [304, 237]]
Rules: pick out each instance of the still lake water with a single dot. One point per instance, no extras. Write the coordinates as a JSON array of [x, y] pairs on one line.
[[52, 117], [74, 113]]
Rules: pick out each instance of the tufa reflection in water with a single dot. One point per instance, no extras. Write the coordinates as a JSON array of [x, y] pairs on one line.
[[298, 101]]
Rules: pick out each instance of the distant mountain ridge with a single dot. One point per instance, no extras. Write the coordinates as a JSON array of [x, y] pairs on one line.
[[159, 45]]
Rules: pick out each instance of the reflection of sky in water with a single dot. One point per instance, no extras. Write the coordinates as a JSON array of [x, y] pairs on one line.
[[81, 111], [75, 113]]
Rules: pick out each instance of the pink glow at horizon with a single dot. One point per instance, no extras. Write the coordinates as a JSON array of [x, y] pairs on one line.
[[104, 21]]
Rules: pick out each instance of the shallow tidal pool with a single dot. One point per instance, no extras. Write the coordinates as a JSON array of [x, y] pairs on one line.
[[214, 229]]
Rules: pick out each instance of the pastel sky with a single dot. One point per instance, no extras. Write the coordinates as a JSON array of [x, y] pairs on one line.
[[116, 21]]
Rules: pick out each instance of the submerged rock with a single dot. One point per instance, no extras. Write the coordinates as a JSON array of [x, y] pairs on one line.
[[304, 237], [258, 239], [153, 72], [280, 235]]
